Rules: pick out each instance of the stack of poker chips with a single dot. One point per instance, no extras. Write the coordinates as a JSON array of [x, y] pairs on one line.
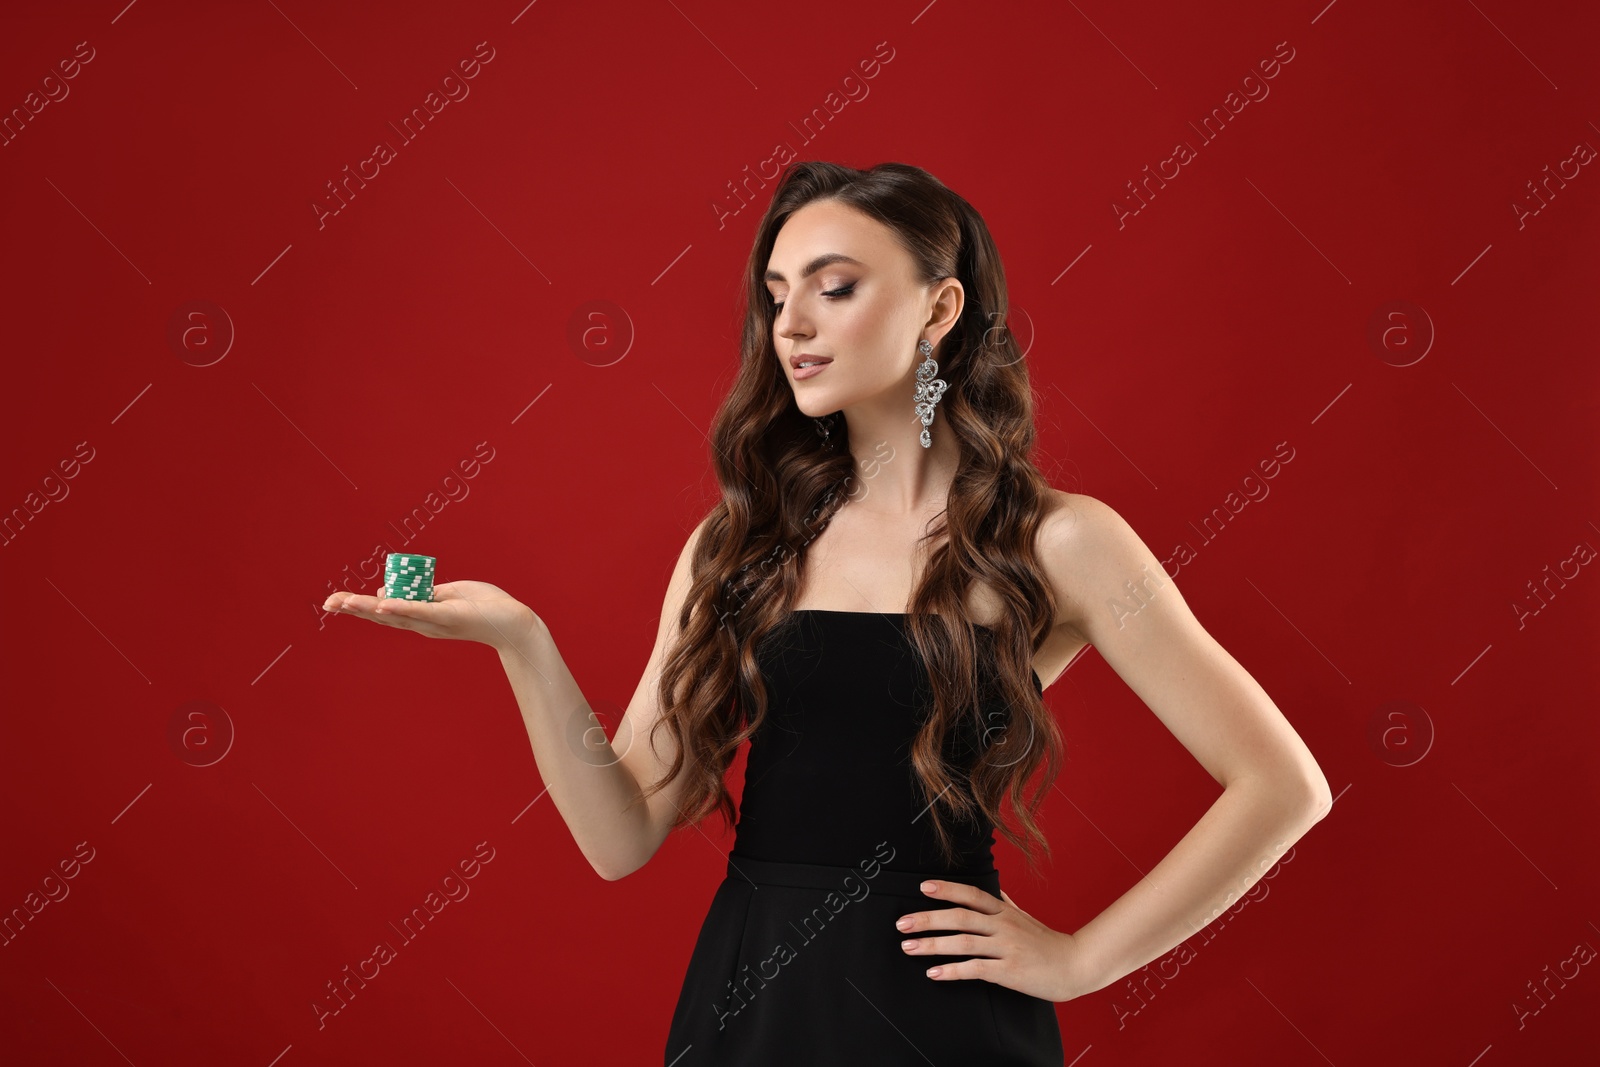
[[408, 577]]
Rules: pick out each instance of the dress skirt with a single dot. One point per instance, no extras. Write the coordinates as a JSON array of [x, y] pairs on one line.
[[801, 964]]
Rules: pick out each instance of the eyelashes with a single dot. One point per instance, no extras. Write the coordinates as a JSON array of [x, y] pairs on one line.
[[834, 293]]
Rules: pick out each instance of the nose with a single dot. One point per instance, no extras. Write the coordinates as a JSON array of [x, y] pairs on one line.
[[787, 323]]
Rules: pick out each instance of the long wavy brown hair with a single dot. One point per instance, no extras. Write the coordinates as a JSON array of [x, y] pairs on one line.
[[781, 485]]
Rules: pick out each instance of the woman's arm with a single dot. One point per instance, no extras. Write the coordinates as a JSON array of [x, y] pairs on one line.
[[585, 780], [1236, 842], [592, 780], [1273, 790]]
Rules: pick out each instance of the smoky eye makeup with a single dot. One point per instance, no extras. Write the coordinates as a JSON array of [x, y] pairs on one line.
[[843, 289]]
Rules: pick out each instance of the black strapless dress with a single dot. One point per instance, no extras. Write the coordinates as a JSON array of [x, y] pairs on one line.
[[798, 960]]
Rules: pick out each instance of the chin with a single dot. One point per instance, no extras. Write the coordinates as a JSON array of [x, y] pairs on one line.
[[811, 404]]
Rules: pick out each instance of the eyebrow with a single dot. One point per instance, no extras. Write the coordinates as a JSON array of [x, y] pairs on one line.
[[815, 265]]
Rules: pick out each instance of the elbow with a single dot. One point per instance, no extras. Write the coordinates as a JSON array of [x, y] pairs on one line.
[[600, 864], [614, 860], [1303, 798], [1304, 788], [1317, 797], [614, 873], [618, 863], [610, 873]]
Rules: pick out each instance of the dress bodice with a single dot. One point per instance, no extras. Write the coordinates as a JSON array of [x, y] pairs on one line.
[[828, 776]]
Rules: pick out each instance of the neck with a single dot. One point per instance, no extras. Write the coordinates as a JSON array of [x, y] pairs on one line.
[[894, 475]]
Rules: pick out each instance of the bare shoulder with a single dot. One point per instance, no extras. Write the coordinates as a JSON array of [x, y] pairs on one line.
[[1088, 551], [1075, 516], [682, 576], [1113, 593]]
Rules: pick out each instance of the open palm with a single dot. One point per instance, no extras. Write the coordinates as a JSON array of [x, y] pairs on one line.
[[459, 611]]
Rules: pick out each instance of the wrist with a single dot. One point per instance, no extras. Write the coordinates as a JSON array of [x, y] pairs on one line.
[[516, 639], [1083, 971]]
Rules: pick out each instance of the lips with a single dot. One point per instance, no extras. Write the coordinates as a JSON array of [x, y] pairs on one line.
[[795, 361]]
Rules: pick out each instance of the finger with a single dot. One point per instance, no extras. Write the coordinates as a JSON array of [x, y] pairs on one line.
[[403, 615], [1013, 904], [420, 610], [922, 922], [950, 945], [358, 604], [361, 607], [447, 591], [976, 968], [968, 896]]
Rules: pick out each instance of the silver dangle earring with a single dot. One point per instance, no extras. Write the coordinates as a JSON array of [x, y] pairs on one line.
[[824, 428], [929, 389]]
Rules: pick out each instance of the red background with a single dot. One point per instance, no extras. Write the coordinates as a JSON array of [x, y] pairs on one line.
[[373, 353]]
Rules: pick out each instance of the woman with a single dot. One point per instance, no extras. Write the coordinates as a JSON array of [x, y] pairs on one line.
[[871, 605]]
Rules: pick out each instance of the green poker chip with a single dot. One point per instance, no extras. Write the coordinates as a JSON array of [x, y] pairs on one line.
[[408, 577]]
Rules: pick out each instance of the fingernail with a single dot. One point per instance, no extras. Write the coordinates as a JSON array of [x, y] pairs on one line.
[[902, 924], [927, 887]]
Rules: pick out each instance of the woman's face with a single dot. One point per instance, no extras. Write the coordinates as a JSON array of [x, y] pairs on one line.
[[861, 308]]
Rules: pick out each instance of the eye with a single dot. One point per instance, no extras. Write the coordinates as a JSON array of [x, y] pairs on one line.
[[834, 293]]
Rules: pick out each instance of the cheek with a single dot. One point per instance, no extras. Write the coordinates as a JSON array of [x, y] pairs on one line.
[[868, 333]]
